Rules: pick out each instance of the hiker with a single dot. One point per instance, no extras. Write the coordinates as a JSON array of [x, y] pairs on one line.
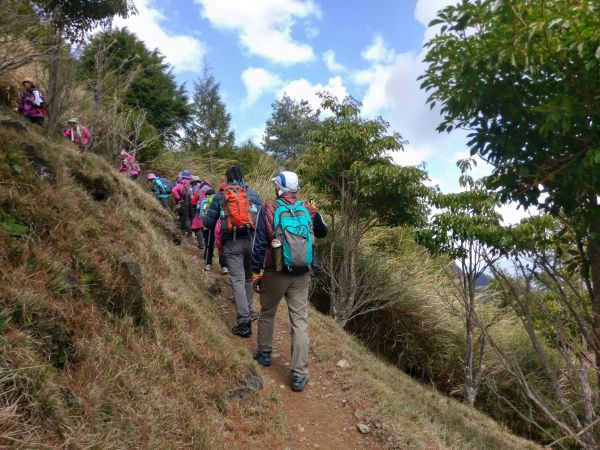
[[212, 237], [128, 164], [179, 193], [192, 204], [282, 258], [210, 234], [32, 104], [79, 135], [162, 188], [237, 208]]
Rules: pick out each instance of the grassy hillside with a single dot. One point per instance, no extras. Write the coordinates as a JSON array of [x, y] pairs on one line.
[[110, 339], [84, 361]]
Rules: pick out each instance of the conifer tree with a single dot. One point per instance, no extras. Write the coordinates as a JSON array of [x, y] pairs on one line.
[[208, 130], [287, 131]]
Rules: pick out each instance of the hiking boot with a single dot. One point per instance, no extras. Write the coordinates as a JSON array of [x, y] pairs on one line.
[[242, 330], [298, 383], [224, 270], [263, 358], [207, 268]]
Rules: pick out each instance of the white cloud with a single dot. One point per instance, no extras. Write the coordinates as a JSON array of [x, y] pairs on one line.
[[265, 26], [255, 134], [182, 51], [258, 82], [412, 156], [331, 63], [394, 91], [378, 51], [303, 89], [512, 214], [426, 11]]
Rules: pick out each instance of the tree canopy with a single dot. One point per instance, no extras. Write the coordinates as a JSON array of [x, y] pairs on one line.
[[523, 76], [349, 156], [76, 16], [287, 130], [153, 89]]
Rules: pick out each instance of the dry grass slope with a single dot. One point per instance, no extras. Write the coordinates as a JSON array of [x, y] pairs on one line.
[[82, 366], [421, 417]]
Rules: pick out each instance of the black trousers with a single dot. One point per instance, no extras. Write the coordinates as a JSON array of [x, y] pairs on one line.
[[209, 248]]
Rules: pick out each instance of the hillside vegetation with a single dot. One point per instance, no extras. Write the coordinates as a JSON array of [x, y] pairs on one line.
[[110, 339]]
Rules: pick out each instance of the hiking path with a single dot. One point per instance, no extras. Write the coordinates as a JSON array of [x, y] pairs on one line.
[[327, 414]]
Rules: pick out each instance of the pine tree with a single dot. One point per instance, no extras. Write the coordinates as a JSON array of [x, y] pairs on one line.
[[208, 131], [287, 131]]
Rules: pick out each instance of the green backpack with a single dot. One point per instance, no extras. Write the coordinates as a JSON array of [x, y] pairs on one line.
[[293, 227]]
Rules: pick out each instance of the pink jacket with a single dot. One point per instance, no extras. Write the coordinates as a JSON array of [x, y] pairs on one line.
[[180, 190], [128, 164], [32, 103], [78, 134]]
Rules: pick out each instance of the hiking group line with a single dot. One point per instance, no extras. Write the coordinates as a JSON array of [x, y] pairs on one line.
[[268, 249]]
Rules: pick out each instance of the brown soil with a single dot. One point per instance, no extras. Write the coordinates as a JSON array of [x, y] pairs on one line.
[[326, 414]]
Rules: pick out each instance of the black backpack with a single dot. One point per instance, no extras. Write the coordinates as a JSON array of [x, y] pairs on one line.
[[167, 185]]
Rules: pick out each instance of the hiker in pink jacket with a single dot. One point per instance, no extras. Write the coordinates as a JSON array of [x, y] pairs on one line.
[[129, 164], [79, 135], [32, 105], [179, 193]]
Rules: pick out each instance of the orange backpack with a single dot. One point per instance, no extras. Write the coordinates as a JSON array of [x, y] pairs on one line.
[[236, 212]]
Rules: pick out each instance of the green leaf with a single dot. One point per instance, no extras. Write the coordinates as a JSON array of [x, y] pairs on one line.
[[13, 227], [3, 323]]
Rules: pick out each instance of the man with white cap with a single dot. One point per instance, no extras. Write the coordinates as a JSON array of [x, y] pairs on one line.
[[282, 259]]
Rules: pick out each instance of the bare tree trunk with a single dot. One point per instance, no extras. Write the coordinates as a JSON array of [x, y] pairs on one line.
[[470, 388], [333, 300], [98, 91], [594, 255], [54, 92]]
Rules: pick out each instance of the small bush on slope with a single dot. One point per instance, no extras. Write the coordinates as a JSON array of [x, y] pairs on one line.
[[75, 370]]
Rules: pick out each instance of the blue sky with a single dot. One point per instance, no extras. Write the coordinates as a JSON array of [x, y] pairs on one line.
[[259, 49]]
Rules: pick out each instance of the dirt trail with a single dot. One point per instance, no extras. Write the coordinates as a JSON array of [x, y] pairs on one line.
[[326, 414]]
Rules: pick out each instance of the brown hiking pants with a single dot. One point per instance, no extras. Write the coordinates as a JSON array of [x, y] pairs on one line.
[[294, 288]]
